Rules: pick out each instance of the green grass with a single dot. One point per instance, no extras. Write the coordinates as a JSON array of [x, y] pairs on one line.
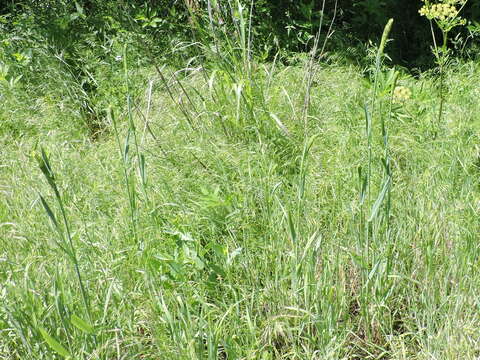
[[246, 238]]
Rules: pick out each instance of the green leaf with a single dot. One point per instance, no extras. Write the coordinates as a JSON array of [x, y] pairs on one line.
[[126, 147], [220, 250], [378, 202], [81, 324], [44, 165], [363, 185], [368, 119], [199, 264], [54, 344], [79, 8], [49, 212], [143, 174], [291, 228]]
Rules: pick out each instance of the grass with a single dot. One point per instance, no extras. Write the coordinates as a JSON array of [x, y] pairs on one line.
[[232, 227]]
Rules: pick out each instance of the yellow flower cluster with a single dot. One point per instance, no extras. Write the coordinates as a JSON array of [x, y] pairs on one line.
[[439, 11], [401, 93], [442, 11]]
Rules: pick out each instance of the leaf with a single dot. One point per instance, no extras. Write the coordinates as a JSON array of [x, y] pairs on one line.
[[176, 268], [291, 228], [218, 270], [126, 147], [81, 324], [199, 264], [44, 165], [373, 271], [280, 124], [79, 9], [368, 119], [49, 212], [220, 250], [52, 217], [143, 174], [54, 344], [378, 202], [363, 185]]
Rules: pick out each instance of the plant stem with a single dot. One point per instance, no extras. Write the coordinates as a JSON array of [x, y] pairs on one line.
[[441, 62]]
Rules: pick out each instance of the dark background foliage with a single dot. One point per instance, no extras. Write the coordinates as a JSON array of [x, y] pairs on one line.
[[286, 25], [294, 23]]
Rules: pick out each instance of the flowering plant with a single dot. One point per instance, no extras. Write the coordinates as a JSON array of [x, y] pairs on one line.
[[401, 94], [445, 14]]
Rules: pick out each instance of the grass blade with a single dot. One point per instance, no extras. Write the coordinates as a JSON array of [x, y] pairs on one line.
[[81, 324], [378, 202], [54, 344]]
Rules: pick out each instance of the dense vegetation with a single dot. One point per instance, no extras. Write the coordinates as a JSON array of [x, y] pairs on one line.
[[239, 180]]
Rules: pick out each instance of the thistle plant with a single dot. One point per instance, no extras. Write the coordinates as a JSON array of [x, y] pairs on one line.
[[445, 15]]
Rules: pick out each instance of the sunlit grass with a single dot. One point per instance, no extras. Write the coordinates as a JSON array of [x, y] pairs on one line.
[[246, 237]]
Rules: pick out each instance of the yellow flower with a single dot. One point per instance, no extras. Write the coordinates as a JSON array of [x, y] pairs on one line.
[[401, 93], [445, 10]]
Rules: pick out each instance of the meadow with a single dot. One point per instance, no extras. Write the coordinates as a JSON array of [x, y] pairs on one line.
[[236, 208]]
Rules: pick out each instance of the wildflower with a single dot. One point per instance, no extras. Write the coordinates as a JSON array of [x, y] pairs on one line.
[[444, 11], [401, 93], [439, 11]]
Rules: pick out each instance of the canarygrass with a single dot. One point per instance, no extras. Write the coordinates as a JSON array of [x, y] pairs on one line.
[[244, 236]]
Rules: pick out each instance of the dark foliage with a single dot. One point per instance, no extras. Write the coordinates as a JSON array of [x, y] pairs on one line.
[[287, 25]]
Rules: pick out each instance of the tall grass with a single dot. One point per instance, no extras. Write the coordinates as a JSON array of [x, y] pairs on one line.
[[290, 212]]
